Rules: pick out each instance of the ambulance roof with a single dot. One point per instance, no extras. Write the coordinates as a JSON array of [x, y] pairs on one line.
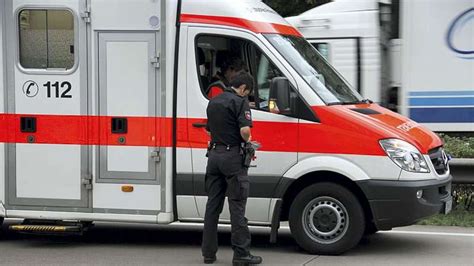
[[248, 14]]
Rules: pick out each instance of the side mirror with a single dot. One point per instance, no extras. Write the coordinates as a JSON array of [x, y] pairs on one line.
[[279, 100]]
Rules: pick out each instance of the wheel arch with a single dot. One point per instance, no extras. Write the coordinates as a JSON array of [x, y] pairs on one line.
[[296, 186]]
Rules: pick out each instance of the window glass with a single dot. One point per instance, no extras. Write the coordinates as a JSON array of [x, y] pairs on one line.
[[265, 72], [323, 49], [46, 39], [219, 58], [315, 70]]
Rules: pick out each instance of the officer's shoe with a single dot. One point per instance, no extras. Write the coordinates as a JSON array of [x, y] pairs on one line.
[[247, 260], [209, 260]]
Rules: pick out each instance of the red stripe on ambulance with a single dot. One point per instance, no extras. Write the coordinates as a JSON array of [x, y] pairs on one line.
[[254, 26], [157, 132]]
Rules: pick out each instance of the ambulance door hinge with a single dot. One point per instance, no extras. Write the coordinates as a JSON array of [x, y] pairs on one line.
[[155, 155], [86, 15], [87, 181], [155, 61]]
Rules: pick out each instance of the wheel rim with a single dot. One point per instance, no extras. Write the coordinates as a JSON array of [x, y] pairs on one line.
[[325, 220]]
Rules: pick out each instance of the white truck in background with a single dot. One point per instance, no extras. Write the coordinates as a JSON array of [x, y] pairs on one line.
[[414, 57]]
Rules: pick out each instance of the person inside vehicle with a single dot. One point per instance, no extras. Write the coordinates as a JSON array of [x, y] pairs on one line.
[[230, 65]]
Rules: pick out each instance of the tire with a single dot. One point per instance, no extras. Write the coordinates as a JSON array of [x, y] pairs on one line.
[[318, 219]]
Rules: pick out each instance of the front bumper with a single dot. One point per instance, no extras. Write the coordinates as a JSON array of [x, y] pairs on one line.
[[395, 203]]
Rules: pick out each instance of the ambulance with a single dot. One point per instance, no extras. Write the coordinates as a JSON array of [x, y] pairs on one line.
[[103, 114]]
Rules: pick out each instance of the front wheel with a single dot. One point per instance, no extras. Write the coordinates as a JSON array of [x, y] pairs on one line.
[[326, 218]]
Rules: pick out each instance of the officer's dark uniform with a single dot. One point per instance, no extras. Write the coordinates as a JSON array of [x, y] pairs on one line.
[[227, 113]]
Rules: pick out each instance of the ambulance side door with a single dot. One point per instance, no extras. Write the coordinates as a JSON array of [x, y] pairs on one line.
[[47, 91]]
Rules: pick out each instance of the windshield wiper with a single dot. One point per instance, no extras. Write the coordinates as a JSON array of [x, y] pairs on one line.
[[353, 102]]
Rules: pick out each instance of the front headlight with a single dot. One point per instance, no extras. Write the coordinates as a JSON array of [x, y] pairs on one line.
[[405, 155]]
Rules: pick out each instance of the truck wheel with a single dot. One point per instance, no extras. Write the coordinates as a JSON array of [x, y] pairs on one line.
[[326, 218]]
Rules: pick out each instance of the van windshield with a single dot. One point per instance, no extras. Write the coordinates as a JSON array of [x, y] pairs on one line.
[[315, 70]]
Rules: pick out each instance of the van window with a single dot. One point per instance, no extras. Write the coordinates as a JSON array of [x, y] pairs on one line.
[[46, 39], [219, 57], [263, 71], [329, 85]]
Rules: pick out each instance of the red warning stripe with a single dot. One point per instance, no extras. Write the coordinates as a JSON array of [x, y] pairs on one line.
[[87, 130], [255, 26], [157, 132]]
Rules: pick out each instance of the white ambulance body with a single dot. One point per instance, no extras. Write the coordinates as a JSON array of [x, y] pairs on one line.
[[102, 115], [412, 56]]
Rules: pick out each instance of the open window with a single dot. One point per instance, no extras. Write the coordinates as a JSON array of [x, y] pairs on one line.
[[219, 58]]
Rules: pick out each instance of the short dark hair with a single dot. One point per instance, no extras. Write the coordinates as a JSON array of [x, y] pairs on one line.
[[233, 63], [229, 60], [243, 78]]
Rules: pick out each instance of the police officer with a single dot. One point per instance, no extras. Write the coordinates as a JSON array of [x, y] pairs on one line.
[[229, 123]]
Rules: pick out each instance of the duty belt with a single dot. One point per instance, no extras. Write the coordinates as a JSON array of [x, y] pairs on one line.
[[228, 147]]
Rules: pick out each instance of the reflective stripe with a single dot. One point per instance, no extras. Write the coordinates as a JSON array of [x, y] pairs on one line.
[[341, 131], [157, 132], [255, 26]]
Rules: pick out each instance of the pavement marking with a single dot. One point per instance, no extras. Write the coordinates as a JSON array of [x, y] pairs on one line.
[[310, 260], [426, 233]]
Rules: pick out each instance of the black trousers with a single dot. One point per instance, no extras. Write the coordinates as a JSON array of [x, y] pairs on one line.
[[226, 173]]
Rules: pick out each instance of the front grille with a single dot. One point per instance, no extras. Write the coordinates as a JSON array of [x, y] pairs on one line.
[[439, 159]]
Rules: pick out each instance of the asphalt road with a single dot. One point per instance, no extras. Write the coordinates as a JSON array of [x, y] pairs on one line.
[[179, 244]]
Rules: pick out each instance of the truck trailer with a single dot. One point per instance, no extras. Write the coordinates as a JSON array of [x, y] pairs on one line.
[[413, 57]]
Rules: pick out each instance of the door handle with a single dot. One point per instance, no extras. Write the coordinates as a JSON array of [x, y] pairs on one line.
[[28, 124], [119, 125], [199, 125]]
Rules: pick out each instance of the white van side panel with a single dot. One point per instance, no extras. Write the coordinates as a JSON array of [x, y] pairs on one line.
[[2, 107], [39, 188], [354, 167], [110, 196]]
